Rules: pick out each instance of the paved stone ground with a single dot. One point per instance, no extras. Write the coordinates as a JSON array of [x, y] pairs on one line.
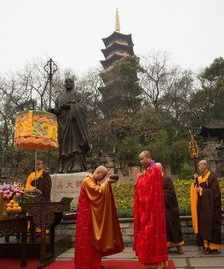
[[191, 259]]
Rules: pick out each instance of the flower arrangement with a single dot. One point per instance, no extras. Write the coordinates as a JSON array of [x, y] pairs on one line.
[[10, 195], [10, 191]]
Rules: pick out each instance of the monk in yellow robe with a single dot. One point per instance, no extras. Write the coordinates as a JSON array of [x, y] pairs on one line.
[[97, 228], [39, 181], [206, 209]]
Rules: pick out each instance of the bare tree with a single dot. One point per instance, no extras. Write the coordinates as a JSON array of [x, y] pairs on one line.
[[157, 78], [89, 86], [176, 100]]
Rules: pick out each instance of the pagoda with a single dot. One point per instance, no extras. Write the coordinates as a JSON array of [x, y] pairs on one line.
[[118, 48]]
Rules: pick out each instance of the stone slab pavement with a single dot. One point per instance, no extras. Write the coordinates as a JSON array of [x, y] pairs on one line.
[[191, 259]]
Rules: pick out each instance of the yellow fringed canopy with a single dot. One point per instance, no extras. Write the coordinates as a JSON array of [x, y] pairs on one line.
[[36, 130]]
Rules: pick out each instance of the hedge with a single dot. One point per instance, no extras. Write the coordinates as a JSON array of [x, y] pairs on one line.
[[123, 193]]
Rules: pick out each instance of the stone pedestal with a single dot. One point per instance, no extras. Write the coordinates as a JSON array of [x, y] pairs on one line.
[[67, 185]]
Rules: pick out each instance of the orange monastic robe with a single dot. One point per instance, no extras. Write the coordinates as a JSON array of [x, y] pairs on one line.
[[97, 228]]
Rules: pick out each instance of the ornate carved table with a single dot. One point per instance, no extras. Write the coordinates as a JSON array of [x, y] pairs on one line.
[[42, 215], [15, 226]]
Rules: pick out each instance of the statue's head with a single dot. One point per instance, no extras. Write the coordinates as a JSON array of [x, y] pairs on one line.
[[69, 84]]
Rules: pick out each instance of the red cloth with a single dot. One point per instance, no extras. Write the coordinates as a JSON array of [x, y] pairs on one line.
[[86, 256], [110, 264], [150, 242]]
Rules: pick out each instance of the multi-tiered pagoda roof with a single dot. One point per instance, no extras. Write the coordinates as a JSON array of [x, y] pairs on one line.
[[117, 46]]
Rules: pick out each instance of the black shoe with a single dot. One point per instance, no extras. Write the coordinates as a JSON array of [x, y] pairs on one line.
[[180, 250], [214, 251], [206, 251]]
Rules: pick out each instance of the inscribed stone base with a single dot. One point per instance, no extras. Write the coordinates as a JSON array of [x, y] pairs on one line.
[[67, 185]]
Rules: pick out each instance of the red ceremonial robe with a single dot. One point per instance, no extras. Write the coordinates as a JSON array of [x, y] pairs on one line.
[[97, 228], [150, 242]]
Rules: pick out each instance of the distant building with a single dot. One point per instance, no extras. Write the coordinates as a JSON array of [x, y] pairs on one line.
[[118, 48], [213, 148]]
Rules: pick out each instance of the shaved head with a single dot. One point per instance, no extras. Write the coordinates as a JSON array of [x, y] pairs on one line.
[[100, 172], [203, 162], [146, 154], [39, 165], [102, 168], [145, 157], [202, 166]]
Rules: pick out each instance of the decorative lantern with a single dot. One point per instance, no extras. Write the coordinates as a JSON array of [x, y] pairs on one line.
[[36, 130], [193, 147]]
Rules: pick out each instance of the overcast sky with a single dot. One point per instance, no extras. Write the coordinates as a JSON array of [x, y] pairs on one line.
[[71, 31]]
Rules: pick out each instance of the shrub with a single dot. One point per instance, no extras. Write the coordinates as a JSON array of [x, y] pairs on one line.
[[186, 171], [123, 193]]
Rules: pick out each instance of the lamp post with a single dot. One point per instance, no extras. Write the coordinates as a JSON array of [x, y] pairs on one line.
[[50, 68]]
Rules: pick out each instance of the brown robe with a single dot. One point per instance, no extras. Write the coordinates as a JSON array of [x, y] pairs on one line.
[[173, 227], [43, 183], [209, 212]]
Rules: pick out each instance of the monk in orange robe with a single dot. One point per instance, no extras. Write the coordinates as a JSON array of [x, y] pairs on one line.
[[97, 228], [39, 182], [150, 242]]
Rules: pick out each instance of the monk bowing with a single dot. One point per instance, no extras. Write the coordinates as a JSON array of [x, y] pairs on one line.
[[150, 242], [97, 228]]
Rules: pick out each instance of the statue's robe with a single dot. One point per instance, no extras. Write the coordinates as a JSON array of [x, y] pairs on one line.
[[72, 132], [173, 227], [206, 211], [150, 242], [97, 228], [40, 180]]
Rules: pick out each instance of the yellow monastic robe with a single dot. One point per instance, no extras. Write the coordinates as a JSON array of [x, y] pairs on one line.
[[194, 200], [106, 229], [32, 176], [207, 198]]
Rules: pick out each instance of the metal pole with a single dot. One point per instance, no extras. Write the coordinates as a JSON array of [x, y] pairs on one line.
[[50, 83], [35, 165], [50, 68]]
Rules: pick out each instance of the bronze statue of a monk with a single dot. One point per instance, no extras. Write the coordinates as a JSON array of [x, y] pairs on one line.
[[72, 130]]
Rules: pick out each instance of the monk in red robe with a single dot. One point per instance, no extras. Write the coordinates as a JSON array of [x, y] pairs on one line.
[[150, 242], [97, 228]]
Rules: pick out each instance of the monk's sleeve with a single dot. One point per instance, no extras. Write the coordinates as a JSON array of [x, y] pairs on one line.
[[169, 193], [96, 193], [213, 185], [194, 207]]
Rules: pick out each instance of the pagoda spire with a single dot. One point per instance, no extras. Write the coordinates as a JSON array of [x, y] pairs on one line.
[[117, 22]]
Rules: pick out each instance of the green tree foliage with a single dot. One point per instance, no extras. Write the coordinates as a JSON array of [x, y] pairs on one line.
[[121, 91], [154, 104], [208, 101]]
